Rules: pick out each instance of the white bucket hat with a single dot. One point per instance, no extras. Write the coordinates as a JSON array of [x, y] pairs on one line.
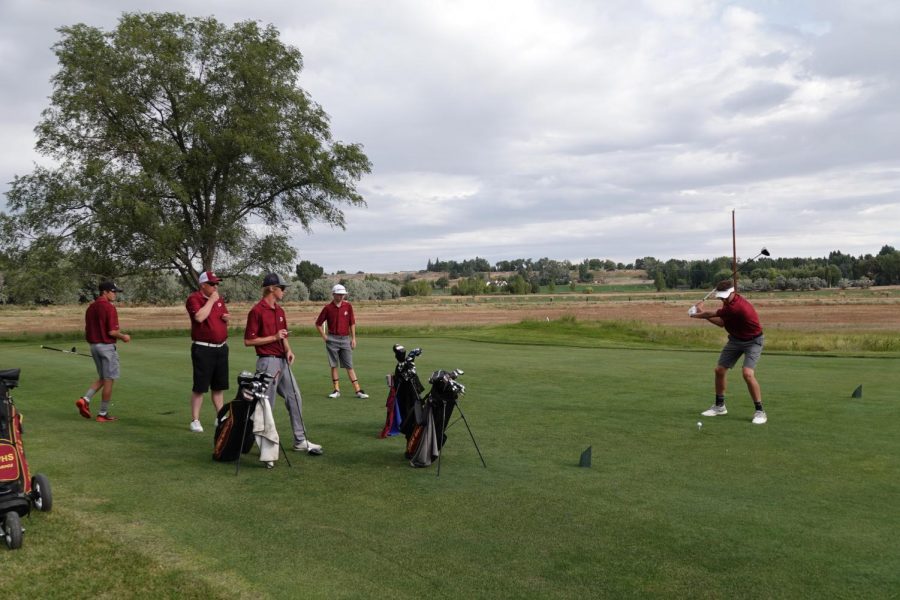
[[339, 289]]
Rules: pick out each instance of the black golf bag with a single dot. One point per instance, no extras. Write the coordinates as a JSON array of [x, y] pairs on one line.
[[404, 392], [18, 490], [431, 416], [234, 423]]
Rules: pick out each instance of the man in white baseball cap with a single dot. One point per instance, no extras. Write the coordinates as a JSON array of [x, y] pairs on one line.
[[745, 337], [209, 348], [337, 326]]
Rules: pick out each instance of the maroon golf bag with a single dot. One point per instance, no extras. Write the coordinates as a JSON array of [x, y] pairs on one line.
[[18, 490]]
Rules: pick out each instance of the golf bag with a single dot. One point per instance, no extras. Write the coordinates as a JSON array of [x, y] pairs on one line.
[[431, 417], [404, 391], [18, 490], [234, 423]]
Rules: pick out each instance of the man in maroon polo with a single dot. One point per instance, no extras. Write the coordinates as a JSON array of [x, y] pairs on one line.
[[267, 332], [337, 326], [209, 350], [101, 330], [745, 338]]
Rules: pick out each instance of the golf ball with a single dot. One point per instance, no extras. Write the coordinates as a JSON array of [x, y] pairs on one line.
[[699, 424]]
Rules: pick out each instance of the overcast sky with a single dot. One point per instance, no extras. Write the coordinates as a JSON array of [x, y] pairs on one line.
[[568, 129]]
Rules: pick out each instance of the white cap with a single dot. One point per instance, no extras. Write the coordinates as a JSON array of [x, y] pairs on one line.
[[208, 277], [725, 293], [339, 289]]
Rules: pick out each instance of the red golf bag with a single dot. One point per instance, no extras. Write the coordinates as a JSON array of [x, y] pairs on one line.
[[18, 490]]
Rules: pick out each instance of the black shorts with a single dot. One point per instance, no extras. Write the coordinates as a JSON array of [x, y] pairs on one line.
[[210, 368]]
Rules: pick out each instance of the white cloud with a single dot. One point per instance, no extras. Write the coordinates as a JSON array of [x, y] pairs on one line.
[[567, 129]]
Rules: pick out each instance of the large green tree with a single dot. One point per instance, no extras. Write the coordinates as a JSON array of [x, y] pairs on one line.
[[181, 144]]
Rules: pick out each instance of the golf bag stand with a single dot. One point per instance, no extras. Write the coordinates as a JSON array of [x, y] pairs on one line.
[[234, 435], [431, 415], [462, 415], [18, 490]]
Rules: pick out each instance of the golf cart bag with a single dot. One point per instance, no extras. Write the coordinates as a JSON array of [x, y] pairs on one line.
[[18, 490], [431, 416], [234, 423], [404, 392]]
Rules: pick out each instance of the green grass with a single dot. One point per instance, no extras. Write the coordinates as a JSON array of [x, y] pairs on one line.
[[568, 331], [804, 506]]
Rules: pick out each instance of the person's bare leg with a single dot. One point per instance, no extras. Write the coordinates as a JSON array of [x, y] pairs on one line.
[[352, 375], [721, 380], [218, 399], [335, 381], [196, 403], [752, 385]]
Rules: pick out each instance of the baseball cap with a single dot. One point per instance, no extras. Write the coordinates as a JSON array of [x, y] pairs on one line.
[[724, 293], [109, 286], [274, 279], [209, 277], [339, 289]]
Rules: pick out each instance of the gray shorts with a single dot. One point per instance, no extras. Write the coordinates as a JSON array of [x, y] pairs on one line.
[[106, 359], [339, 351], [751, 349]]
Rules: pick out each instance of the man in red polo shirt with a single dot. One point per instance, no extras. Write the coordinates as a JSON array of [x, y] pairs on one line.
[[209, 350], [337, 326], [267, 332], [745, 337], [101, 330]]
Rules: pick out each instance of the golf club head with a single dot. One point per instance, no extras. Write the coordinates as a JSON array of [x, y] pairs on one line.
[[764, 252], [399, 352]]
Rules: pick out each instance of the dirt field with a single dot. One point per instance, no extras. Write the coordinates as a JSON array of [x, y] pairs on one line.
[[873, 311]]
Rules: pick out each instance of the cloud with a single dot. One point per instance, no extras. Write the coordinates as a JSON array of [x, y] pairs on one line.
[[567, 129]]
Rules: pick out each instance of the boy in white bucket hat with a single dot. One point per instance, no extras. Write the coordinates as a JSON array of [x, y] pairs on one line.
[[337, 326]]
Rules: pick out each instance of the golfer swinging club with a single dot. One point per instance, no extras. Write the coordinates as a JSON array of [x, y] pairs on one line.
[[745, 336]]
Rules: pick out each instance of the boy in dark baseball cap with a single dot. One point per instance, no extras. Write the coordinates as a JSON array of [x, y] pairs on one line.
[[101, 330]]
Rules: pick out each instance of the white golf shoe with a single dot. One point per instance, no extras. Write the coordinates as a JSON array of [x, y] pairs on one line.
[[196, 427], [759, 417], [715, 411], [308, 446]]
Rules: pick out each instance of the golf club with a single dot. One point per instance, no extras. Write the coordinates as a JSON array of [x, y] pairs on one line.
[[762, 252], [72, 351], [299, 411], [693, 309]]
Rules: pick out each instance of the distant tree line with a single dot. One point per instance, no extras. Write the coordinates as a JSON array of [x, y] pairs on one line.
[[835, 270], [62, 282], [57, 285]]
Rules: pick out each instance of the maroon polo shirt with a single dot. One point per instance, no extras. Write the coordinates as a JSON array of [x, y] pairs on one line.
[[213, 329], [262, 321], [99, 319], [740, 319], [339, 319]]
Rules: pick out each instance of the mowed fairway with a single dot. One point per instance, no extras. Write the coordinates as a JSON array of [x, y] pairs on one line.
[[805, 506]]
